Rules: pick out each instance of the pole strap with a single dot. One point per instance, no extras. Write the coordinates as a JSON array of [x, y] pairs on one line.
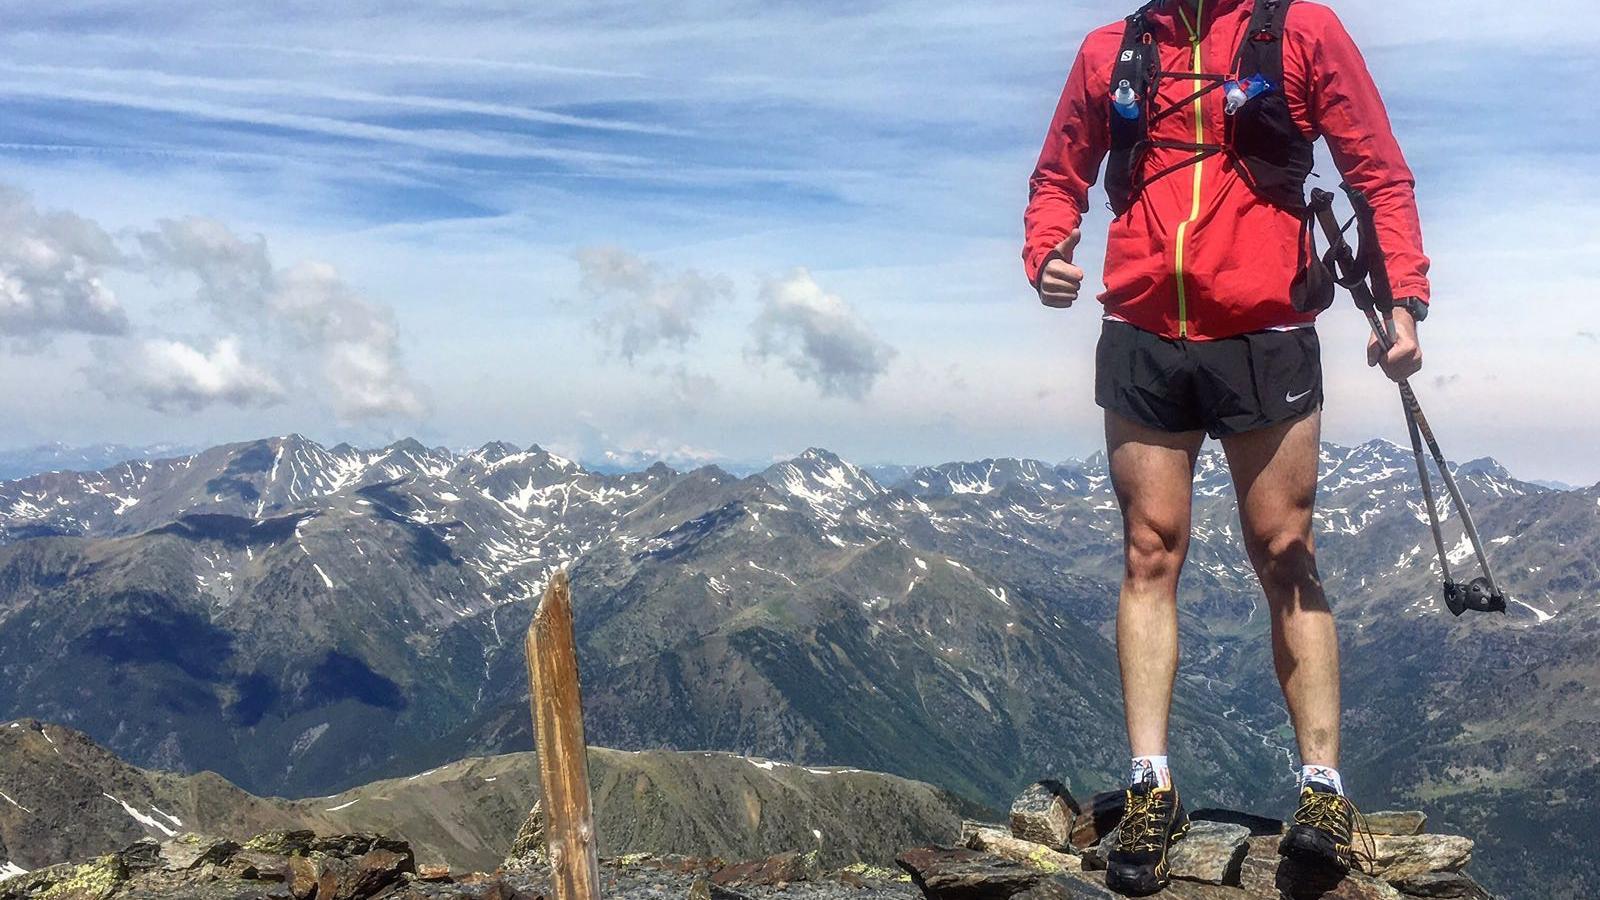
[[1353, 270]]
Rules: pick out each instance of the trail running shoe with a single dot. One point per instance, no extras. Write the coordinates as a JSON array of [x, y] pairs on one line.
[[1320, 835], [1152, 819]]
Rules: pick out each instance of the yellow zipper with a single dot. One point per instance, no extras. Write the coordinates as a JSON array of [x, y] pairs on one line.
[[1199, 167]]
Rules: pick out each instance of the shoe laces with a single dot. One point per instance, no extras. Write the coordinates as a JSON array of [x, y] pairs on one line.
[[1326, 811], [1140, 829], [1338, 815]]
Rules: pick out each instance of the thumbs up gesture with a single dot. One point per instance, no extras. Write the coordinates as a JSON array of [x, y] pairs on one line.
[[1060, 280]]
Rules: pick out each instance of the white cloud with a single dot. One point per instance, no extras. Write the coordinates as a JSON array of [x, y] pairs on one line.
[[173, 376], [301, 318], [257, 88], [353, 340], [235, 272], [643, 307], [818, 337], [433, 140], [357, 339], [368, 381], [51, 270]]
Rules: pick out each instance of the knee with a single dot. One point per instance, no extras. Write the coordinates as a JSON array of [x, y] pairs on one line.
[[1284, 560], [1155, 552]]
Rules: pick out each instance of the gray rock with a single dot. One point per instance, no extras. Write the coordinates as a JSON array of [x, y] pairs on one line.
[[1069, 887], [211, 890], [253, 865], [946, 873], [1044, 814], [530, 848], [351, 846], [1397, 857], [1450, 885], [317, 875], [1395, 822], [284, 843], [378, 868], [784, 868], [1038, 856], [1211, 853], [191, 851], [140, 856], [1280, 878], [1267, 875]]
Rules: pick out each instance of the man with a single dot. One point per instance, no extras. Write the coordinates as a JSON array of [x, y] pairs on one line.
[[1207, 110]]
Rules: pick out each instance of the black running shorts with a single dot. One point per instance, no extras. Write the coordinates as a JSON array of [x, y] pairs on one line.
[[1222, 387]]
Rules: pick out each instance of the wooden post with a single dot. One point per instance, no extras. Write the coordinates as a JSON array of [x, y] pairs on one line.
[[563, 757]]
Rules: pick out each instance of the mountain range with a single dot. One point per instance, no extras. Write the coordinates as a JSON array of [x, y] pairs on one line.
[[303, 619]]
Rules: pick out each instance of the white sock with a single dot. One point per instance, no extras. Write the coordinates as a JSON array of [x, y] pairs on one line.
[[1145, 765], [1322, 775]]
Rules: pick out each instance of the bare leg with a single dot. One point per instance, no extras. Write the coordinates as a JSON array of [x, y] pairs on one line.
[[1153, 474], [1275, 474]]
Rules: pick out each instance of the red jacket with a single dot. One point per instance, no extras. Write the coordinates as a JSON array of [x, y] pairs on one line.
[[1200, 255]]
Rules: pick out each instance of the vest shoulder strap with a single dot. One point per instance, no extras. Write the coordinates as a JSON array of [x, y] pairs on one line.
[[1262, 50], [1134, 63]]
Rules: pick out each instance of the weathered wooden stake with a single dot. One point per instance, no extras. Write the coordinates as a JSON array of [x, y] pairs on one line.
[[563, 758]]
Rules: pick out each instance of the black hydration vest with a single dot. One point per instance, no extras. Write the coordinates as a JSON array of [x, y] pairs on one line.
[[1260, 136]]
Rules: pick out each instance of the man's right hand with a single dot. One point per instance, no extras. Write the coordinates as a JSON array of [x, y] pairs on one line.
[[1060, 280]]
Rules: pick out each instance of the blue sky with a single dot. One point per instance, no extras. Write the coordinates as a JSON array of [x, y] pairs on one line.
[[708, 230]]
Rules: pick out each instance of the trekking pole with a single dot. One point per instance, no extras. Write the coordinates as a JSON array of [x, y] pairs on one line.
[[1483, 593], [1427, 493]]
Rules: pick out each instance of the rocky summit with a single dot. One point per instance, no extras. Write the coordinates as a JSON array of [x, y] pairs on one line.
[[1050, 850], [299, 865]]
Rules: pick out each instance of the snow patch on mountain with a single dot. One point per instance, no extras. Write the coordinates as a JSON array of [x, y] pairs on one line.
[[142, 818]]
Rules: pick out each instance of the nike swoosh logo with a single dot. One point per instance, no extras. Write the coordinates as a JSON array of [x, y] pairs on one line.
[[1296, 398]]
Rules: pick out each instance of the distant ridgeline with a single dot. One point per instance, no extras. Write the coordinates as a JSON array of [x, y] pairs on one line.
[[21, 462], [68, 799], [305, 619]]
